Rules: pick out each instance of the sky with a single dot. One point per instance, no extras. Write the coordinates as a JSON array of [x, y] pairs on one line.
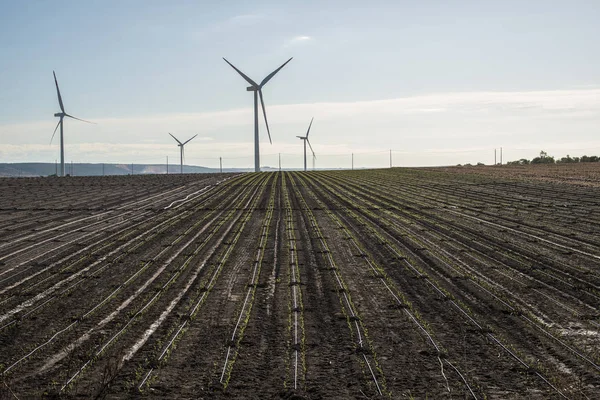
[[436, 82]]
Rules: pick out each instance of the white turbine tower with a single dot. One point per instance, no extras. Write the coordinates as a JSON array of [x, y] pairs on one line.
[[257, 89], [305, 138], [181, 151], [62, 114]]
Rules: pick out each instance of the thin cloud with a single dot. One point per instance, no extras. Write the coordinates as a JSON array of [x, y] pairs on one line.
[[297, 40], [456, 122], [548, 104]]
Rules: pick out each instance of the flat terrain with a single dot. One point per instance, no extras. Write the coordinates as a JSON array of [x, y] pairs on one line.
[[460, 282]]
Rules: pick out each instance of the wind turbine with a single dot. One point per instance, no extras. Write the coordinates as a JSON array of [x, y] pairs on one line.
[[257, 89], [305, 138], [181, 148], [62, 114]]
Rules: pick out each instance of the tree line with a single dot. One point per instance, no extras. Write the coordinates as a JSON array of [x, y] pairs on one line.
[[544, 158]]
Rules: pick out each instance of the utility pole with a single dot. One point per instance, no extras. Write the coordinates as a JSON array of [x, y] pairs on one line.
[[352, 161], [221, 164]]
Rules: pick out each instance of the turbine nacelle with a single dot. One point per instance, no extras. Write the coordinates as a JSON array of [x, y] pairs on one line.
[[59, 115], [252, 89]]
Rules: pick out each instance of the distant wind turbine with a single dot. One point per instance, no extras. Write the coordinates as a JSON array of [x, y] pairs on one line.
[[257, 89], [305, 138], [181, 152], [62, 114]]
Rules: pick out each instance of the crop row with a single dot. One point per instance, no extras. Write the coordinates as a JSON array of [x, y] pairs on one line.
[[389, 286], [203, 290], [403, 231], [412, 257], [355, 324], [89, 262], [157, 269], [297, 344]]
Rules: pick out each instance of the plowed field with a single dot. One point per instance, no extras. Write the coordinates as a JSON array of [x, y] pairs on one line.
[[400, 283]]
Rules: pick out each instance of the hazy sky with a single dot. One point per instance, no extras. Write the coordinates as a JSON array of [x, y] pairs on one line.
[[438, 82]]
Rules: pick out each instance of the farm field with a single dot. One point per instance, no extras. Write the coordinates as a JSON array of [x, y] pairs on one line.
[[461, 282]]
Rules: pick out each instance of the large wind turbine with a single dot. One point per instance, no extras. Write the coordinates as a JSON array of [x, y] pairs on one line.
[[257, 89], [62, 114], [305, 138], [181, 148]]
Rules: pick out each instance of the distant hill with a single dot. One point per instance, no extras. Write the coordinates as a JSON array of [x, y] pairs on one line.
[[85, 169]]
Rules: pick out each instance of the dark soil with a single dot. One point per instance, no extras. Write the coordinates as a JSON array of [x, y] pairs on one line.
[[454, 282]]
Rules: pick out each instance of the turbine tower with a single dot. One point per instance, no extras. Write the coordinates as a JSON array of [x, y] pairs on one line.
[[181, 152], [62, 114], [257, 89], [305, 138]]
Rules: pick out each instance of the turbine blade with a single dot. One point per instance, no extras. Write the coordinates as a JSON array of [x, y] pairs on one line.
[[175, 139], [190, 138], [262, 103], [272, 74], [250, 81], [308, 131], [62, 107], [311, 149], [57, 125], [79, 119]]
